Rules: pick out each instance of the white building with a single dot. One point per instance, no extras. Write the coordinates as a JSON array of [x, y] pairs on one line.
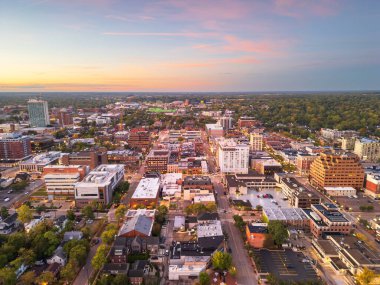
[[38, 162], [367, 149], [99, 184], [146, 192], [171, 185], [225, 122], [340, 191], [232, 157], [256, 141]]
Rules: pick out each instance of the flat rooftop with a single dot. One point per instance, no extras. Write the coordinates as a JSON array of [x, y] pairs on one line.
[[210, 229], [147, 189], [285, 214], [101, 175]]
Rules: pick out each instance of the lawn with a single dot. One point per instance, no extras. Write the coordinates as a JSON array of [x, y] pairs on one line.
[[160, 110]]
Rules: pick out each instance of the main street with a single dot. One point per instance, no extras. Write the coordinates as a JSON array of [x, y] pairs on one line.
[[240, 258]]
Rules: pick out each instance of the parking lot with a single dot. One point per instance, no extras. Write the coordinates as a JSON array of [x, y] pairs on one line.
[[353, 204], [265, 202], [286, 265]]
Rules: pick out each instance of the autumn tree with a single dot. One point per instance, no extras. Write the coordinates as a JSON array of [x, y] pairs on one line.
[[24, 213]]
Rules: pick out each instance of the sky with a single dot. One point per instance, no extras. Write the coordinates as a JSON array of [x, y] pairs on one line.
[[194, 45]]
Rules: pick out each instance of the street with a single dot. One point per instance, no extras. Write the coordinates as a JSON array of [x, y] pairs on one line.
[[240, 258]]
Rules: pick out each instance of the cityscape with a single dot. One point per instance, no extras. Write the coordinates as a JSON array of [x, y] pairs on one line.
[[209, 142]]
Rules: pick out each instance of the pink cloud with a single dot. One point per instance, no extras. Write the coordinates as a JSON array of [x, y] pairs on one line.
[[235, 44], [213, 62], [160, 34], [302, 8]]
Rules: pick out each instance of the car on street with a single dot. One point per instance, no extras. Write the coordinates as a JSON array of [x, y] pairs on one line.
[[6, 199]]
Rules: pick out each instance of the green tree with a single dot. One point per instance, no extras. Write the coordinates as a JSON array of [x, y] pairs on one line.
[[100, 257], [70, 215], [79, 254], [4, 212], [24, 214], [28, 278], [221, 260], [278, 231], [365, 277], [68, 272], [204, 278], [7, 276], [120, 212], [88, 212], [120, 279], [108, 236]]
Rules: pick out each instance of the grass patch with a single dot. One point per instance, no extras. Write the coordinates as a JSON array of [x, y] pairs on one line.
[[40, 192], [160, 110]]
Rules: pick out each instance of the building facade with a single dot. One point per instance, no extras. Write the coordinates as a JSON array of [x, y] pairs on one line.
[[99, 185], [367, 149], [38, 113], [232, 157], [331, 170], [14, 147], [256, 141]]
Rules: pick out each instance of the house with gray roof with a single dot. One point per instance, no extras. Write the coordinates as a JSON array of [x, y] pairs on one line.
[[137, 226]]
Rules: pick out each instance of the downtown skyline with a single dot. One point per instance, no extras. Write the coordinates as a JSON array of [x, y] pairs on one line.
[[99, 45]]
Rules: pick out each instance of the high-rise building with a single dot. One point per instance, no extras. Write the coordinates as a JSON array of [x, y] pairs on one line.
[[336, 170], [65, 118], [256, 141], [232, 156], [225, 122], [367, 149], [38, 113], [13, 147]]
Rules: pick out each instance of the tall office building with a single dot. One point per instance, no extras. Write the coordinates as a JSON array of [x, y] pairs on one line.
[[367, 149], [256, 141], [333, 170], [233, 156], [38, 113]]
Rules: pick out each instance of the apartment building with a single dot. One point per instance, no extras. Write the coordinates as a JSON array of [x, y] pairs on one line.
[[139, 138], [14, 147], [256, 141], [303, 163], [372, 183], [340, 191], [247, 122], [367, 149], [99, 184], [232, 156], [60, 180], [334, 169], [157, 160]]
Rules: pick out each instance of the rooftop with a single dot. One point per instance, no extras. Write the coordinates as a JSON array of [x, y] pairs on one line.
[[102, 175], [210, 229], [147, 188], [139, 223], [285, 214]]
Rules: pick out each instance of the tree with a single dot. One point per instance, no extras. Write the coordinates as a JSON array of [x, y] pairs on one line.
[[365, 277], [4, 212], [278, 231], [79, 254], [88, 212], [204, 278], [120, 279], [120, 212], [28, 278], [221, 260], [7, 276], [24, 214], [108, 236], [100, 257], [70, 215], [68, 272], [45, 277]]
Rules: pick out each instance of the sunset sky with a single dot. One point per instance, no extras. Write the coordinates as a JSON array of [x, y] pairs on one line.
[[205, 45]]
